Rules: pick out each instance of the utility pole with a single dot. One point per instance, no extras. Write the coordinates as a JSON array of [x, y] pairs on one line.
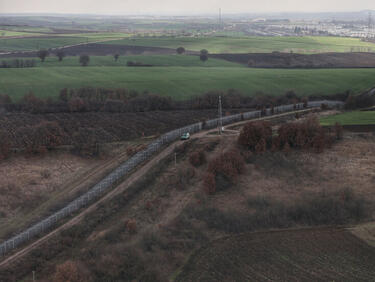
[[33, 276], [219, 18], [220, 116]]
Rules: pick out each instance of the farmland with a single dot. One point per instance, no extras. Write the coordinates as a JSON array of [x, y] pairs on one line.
[[351, 118], [226, 235], [323, 255], [54, 41], [155, 60], [182, 82], [10, 33], [253, 44]]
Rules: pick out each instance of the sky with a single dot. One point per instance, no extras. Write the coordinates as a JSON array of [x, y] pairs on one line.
[[180, 6]]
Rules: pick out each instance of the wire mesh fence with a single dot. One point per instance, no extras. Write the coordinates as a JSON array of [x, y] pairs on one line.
[[125, 168]]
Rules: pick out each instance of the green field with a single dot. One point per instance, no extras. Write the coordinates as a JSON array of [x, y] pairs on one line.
[[156, 60], [350, 118], [183, 82], [254, 44], [56, 40], [9, 33]]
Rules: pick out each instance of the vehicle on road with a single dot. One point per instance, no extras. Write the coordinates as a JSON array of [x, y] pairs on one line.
[[185, 136]]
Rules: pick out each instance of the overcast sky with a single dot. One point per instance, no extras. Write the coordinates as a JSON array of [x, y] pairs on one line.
[[179, 6]]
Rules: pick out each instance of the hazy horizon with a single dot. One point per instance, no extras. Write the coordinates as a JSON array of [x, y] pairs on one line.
[[168, 7]]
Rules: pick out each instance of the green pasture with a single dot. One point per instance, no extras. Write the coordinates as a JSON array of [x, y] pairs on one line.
[[155, 60], [54, 41], [350, 118], [10, 33], [184, 82], [254, 44]]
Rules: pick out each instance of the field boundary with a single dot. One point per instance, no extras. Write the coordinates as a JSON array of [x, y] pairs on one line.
[[126, 168]]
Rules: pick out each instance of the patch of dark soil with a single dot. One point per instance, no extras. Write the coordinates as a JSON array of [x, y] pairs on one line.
[[290, 60]]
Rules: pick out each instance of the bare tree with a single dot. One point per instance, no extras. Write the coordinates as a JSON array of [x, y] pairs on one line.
[[84, 60]]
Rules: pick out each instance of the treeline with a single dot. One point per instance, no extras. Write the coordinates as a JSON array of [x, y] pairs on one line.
[[18, 63], [89, 99]]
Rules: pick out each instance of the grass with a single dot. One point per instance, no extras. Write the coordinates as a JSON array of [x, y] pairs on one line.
[[9, 33], [157, 60], [53, 41], [182, 82], [350, 118], [254, 44]]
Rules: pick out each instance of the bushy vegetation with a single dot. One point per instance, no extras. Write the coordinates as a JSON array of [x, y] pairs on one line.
[[256, 136], [223, 171], [18, 63], [306, 134], [197, 158], [363, 100], [322, 208]]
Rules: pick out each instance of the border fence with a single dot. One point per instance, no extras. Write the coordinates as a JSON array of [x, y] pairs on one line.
[[125, 168]]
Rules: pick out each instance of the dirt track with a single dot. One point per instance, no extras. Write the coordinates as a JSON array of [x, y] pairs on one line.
[[136, 175]]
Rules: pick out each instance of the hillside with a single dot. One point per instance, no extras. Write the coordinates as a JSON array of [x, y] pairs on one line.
[[149, 230]]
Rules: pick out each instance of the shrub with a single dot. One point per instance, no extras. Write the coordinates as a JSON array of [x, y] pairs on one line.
[[223, 171], [256, 136], [84, 60], [4, 145], [197, 158], [180, 50], [131, 226], [301, 135], [209, 183], [71, 271], [45, 174]]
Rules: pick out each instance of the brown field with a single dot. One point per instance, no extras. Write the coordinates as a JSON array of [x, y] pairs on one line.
[[172, 218], [287, 60], [37, 185], [322, 254], [104, 127]]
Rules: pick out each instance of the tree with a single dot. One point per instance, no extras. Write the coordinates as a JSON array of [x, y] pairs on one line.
[[180, 50], [42, 54], [116, 56], [84, 60], [204, 52], [60, 54], [203, 57], [71, 271]]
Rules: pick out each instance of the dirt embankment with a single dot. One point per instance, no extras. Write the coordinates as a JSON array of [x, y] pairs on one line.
[[290, 60]]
